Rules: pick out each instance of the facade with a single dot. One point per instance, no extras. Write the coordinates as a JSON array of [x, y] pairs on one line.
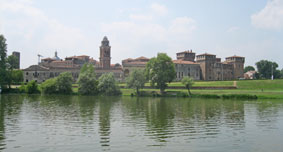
[[185, 65], [213, 69], [130, 64]]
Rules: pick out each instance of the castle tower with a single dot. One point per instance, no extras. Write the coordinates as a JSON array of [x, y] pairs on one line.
[[238, 65], [105, 54], [18, 55], [186, 56], [207, 62]]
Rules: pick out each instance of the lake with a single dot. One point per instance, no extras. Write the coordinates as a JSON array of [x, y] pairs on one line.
[[125, 124]]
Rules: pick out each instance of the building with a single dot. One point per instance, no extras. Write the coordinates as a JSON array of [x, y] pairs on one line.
[[18, 55], [250, 75], [213, 69], [199, 67], [185, 65], [52, 67], [130, 64]]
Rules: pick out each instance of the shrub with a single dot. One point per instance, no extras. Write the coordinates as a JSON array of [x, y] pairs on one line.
[[108, 86], [49, 86], [87, 81], [32, 87], [64, 83]]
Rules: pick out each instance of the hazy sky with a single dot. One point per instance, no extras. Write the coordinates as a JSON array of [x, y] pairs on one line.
[[249, 28]]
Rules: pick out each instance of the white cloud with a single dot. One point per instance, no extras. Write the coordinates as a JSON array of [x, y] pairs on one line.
[[270, 17], [36, 31], [159, 9]]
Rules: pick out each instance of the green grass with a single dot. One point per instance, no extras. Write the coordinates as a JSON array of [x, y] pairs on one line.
[[263, 89]]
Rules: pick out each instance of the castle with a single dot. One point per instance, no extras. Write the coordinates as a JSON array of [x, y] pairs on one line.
[[201, 67]]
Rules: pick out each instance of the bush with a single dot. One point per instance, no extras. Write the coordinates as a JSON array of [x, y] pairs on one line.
[[59, 85], [64, 83], [32, 87], [49, 86], [87, 81], [108, 86]]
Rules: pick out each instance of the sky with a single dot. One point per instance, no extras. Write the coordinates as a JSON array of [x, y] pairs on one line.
[[253, 28]]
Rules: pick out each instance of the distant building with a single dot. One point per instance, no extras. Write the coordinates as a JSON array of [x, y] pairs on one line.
[[52, 67], [130, 64], [185, 65], [18, 55], [250, 75], [199, 67]]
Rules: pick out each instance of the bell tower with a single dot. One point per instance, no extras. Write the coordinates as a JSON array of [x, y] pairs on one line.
[[105, 54]]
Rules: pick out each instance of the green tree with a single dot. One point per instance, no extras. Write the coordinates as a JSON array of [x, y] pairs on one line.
[[160, 71], [249, 68], [64, 83], [17, 76], [87, 80], [107, 85], [32, 87], [188, 83], [136, 80], [12, 64], [265, 69], [49, 86], [281, 73], [3, 58]]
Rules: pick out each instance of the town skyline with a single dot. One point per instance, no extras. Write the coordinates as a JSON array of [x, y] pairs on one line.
[[143, 28]]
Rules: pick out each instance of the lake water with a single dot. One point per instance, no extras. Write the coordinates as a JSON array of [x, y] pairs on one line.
[[125, 124]]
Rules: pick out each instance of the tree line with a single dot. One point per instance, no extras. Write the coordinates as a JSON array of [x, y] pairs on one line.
[[265, 70], [8, 73]]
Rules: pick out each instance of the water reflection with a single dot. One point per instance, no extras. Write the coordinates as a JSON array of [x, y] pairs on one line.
[[61, 123]]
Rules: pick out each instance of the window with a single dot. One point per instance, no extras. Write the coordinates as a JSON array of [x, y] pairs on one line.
[[27, 73], [26, 80]]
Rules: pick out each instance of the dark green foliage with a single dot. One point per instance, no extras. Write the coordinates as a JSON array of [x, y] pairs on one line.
[[87, 81], [59, 85], [49, 86], [249, 68], [64, 83], [239, 96], [17, 76], [265, 69], [136, 80], [160, 71], [188, 83], [3, 60], [107, 85], [32, 87]]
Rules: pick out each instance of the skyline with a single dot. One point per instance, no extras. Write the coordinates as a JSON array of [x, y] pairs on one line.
[[143, 28]]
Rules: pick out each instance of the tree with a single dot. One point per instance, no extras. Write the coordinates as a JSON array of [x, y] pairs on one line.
[[281, 73], [64, 83], [188, 82], [265, 69], [87, 80], [32, 87], [3, 58], [49, 86], [107, 85], [12, 64], [136, 80], [160, 71], [17, 76], [249, 68]]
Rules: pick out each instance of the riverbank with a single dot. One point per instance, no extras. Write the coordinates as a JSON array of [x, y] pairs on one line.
[[245, 89]]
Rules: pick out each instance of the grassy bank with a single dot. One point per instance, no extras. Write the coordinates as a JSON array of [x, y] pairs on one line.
[[262, 89]]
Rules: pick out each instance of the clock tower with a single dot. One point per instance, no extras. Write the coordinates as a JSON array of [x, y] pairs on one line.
[[105, 54]]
